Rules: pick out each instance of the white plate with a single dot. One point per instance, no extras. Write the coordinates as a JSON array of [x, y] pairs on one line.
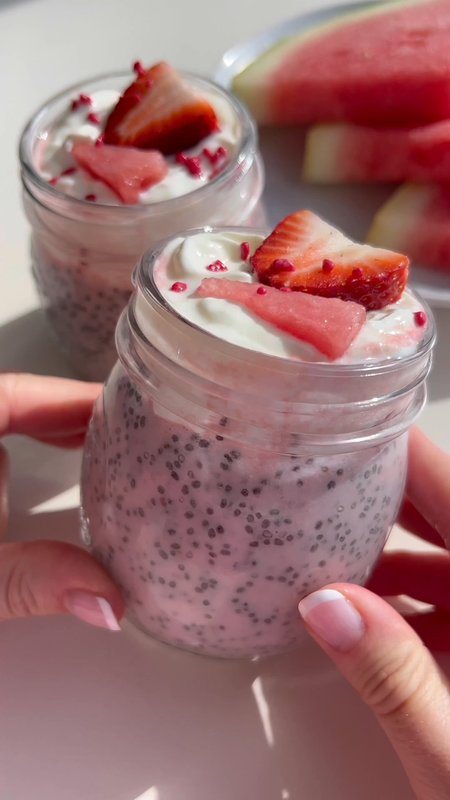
[[350, 207]]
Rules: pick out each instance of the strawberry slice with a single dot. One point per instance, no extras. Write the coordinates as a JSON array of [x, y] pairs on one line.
[[126, 170], [306, 254], [330, 325], [160, 110]]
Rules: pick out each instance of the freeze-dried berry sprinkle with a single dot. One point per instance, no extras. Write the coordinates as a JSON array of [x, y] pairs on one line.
[[216, 156], [139, 68], [420, 318], [192, 164], [282, 265], [245, 251], [217, 266]]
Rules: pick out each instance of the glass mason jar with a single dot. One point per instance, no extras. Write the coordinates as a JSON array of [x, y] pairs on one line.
[[220, 485], [83, 253]]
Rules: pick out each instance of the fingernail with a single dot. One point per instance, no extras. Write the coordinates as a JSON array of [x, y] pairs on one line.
[[333, 618], [92, 609]]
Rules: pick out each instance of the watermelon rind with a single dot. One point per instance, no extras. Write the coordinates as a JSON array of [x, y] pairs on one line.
[[390, 225]]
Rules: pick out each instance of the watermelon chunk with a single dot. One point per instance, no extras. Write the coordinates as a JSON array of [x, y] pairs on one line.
[[330, 325], [353, 153], [386, 65], [126, 170], [416, 218]]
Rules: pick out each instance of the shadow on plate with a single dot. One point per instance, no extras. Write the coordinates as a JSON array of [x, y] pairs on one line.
[[439, 380]]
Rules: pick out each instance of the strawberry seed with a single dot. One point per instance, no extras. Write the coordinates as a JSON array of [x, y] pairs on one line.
[[193, 165]]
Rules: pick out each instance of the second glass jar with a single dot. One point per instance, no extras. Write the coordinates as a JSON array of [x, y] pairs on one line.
[[83, 253]]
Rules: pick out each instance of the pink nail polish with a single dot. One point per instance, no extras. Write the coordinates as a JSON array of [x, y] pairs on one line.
[[333, 618], [90, 608]]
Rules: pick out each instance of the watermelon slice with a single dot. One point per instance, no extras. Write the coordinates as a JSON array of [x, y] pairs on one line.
[[386, 65], [353, 153], [416, 219], [126, 170], [329, 325]]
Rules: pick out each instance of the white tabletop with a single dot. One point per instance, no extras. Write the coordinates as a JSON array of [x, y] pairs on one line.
[[88, 715]]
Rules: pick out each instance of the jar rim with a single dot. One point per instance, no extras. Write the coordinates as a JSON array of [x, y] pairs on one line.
[[398, 409], [245, 156], [270, 402], [144, 280]]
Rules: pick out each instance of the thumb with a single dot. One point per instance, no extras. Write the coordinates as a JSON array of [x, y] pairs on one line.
[[4, 474], [44, 577], [395, 675]]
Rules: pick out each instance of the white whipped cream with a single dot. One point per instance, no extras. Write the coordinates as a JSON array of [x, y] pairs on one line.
[[73, 126], [388, 333]]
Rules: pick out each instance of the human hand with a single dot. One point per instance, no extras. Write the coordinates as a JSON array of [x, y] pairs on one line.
[[380, 654], [48, 577]]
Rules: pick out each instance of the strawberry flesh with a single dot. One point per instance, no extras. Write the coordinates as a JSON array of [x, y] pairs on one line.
[[329, 325], [125, 170], [303, 242], [160, 111]]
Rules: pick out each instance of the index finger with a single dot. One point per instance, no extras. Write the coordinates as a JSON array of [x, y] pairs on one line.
[[428, 482], [56, 410]]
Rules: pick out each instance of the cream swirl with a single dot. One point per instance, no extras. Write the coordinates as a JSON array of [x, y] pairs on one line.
[[389, 333], [74, 126]]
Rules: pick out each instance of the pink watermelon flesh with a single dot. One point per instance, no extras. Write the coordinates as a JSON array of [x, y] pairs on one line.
[[388, 68], [356, 153], [416, 218], [330, 325], [126, 170]]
